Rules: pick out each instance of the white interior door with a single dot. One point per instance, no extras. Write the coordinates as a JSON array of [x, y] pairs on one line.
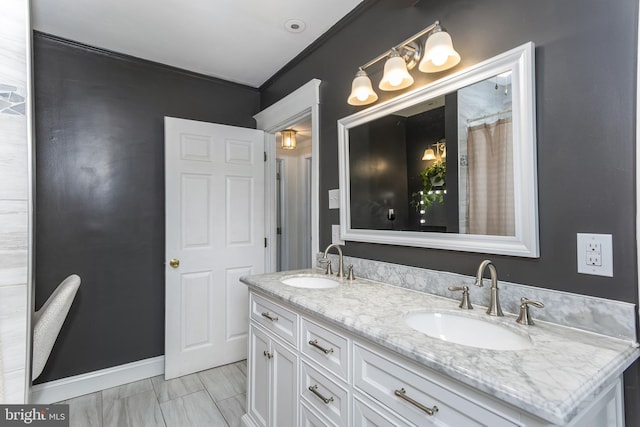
[[214, 198]]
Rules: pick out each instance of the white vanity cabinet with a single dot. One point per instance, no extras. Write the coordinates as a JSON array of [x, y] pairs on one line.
[[307, 372], [324, 373], [417, 395], [272, 392]]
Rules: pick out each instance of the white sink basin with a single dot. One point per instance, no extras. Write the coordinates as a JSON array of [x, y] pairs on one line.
[[310, 282], [468, 331]]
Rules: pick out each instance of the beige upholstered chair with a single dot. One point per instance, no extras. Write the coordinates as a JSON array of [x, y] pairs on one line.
[[48, 321]]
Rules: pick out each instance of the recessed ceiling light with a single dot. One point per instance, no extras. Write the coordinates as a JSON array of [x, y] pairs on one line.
[[295, 26]]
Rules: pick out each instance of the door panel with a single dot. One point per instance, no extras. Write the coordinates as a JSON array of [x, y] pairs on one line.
[[237, 321], [240, 211], [196, 309], [214, 176], [259, 377]]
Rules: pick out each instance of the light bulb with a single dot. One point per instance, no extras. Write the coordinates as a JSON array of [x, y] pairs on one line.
[[395, 79], [439, 53], [362, 94], [361, 91], [395, 76], [439, 57]]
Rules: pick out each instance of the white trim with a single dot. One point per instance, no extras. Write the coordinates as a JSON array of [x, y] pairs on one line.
[[30, 204], [79, 385], [300, 103], [638, 163], [525, 243]]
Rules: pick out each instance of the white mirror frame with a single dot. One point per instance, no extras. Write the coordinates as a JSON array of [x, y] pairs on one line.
[[520, 61]]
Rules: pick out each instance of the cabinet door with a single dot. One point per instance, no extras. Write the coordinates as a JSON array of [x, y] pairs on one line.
[[284, 398], [259, 361]]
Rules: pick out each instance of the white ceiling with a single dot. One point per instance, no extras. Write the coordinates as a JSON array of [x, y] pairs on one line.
[[240, 41]]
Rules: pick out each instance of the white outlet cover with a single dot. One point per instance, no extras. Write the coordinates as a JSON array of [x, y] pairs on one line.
[[334, 199], [606, 245], [335, 234]]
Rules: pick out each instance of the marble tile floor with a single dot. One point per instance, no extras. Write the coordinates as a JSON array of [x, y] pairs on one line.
[[216, 397]]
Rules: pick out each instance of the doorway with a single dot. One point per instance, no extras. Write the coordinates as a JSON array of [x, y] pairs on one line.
[[293, 194], [302, 104]]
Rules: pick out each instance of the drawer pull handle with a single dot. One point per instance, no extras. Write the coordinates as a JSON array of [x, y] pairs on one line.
[[268, 354], [402, 393], [269, 316], [318, 346], [314, 389]]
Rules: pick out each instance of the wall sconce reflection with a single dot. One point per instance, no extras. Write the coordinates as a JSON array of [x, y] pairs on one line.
[[438, 154]]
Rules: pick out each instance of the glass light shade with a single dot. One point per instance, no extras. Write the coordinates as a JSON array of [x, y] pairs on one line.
[[439, 54], [429, 154], [361, 90], [288, 139], [396, 76]]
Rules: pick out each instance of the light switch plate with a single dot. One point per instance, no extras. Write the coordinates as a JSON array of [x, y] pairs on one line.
[[595, 254], [334, 199], [335, 234]]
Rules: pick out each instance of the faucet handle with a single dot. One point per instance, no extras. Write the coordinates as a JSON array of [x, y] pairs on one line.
[[350, 275], [328, 270], [525, 317], [465, 303]]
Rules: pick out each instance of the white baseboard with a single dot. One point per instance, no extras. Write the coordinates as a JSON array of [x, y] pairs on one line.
[[79, 385]]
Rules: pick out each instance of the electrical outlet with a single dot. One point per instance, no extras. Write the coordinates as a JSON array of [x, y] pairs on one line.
[[594, 259], [595, 254], [594, 246]]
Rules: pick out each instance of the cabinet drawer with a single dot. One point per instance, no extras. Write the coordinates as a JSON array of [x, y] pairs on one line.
[[380, 378], [277, 319], [366, 414], [328, 398], [309, 419], [326, 348]]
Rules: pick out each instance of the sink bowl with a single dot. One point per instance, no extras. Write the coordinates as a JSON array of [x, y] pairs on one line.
[[310, 282], [467, 331]]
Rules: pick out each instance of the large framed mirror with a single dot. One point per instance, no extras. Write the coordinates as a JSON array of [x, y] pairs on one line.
[[451, 165]]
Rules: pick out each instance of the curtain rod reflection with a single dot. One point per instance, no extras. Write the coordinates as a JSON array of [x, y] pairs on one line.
[[486, 116]]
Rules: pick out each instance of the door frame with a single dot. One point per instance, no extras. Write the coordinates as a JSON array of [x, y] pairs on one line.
[[302, 102], [637, 166]]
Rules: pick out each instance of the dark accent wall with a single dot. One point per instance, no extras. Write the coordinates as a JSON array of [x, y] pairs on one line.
[[585, 90], [424, 130], [377, 153], [100, 192]]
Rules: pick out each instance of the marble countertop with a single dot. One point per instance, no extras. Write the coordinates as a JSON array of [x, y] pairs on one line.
[[553, 380]]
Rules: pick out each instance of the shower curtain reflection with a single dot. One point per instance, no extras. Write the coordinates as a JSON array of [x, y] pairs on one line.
[[490, 179]]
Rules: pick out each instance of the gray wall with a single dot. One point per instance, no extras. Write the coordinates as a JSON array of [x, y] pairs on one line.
[[585, 88], [100, 193], [585, 82], [376, 188]]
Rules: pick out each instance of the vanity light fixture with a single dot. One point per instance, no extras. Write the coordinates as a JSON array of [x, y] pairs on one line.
[[288, 139], [439, 55], [361, 91], [396, 75]]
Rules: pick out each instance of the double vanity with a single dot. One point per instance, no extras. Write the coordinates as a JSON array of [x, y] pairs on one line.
[[325, 350]]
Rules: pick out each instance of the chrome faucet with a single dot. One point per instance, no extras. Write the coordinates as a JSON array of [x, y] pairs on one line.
[[494, 305], [340, 260]]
